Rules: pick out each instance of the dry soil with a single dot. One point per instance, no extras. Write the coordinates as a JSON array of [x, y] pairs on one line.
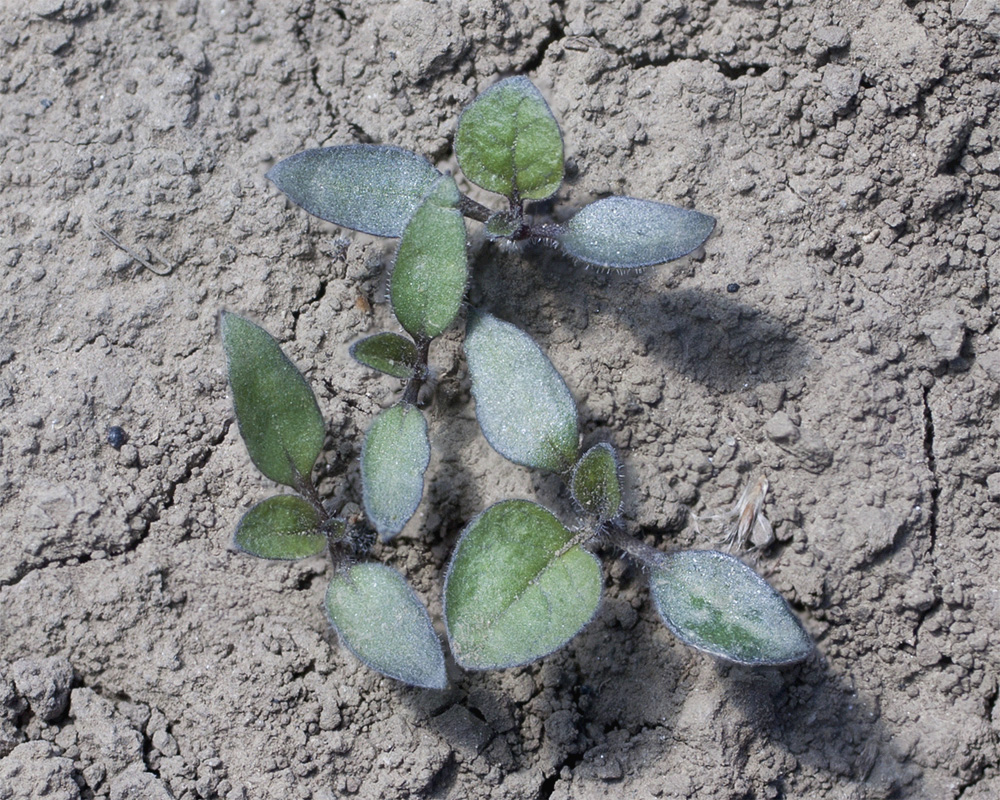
[[850, 150]]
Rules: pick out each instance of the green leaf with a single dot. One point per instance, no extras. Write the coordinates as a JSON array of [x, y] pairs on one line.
[[716, 603], [276, 410], [503, 225], [595, 483], [387, 352], [282, 527], [384, 624], [428, 280], [517, 587], [393, 459], [624, 233], [508, 142], [524, 408], [370, 188]]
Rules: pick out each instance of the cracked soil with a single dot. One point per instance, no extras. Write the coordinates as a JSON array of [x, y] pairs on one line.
[[837, 335]]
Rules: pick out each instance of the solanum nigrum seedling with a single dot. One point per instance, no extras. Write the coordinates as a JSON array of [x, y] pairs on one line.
[[520, 582]]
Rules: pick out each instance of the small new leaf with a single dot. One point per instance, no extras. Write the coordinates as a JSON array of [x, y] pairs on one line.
[[524, 407], [387, 352], [503, 225], [625, 233], [428, 280], [595, 483], [393, 460], [517, 588], [508, 142], [714, 602], [283, 527], [381, 621], [370, 188], [276, 410]]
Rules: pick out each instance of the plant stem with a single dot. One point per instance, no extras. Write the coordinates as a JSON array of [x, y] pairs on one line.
[[470, 208], [410, 394], [548, 232], [647, 556], [305, 487]]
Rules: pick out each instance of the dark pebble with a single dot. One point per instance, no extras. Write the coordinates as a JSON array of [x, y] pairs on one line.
[[116, 437]]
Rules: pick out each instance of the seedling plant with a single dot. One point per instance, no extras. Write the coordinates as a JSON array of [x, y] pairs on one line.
[[520, 582]]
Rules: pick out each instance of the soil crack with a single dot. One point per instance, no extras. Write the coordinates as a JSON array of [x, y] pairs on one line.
[[931, 460]]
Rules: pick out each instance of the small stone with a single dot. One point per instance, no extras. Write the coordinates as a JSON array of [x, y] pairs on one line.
[[813, 451], [993, 486], [841, 85], [193, 53], [561, 728], [56, 42], [943, 189], [831, 37], [927, 652], [12, 705], [46, 8], [989, 360], [36, 766], [869, 532], [946, 330], [164, 743], [947, 140], [771, 396], [45, 684], [463, 729], [781, 430], [826, 40], [105, 736], [116, 437], [135, 783], [601, 764], [891, 213]]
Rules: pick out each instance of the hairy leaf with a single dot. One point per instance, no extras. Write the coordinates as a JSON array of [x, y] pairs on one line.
[[282, 527], [393, 459], [384, 624], [508, 142], [503, 225], [623, 232], [524, 408], [387, 352], [716, 603], [276, 410], [428, 280], [595, 483], [517, 588], [370, 188]]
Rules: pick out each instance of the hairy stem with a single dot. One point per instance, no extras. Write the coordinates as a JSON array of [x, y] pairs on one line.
[[305, 487], [547, 232], [638, 551], [421, 372], [473, 210]]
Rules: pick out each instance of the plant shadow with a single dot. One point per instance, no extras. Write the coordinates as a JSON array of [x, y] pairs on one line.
[[797, 707], [558, 710], [705, 335], [724, 344]]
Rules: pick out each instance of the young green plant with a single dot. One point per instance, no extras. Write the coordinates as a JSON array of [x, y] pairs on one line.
[[375, 612], [520, 583], [509, 143]]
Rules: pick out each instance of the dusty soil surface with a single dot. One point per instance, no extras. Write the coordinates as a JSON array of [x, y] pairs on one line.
[[851, 152]]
